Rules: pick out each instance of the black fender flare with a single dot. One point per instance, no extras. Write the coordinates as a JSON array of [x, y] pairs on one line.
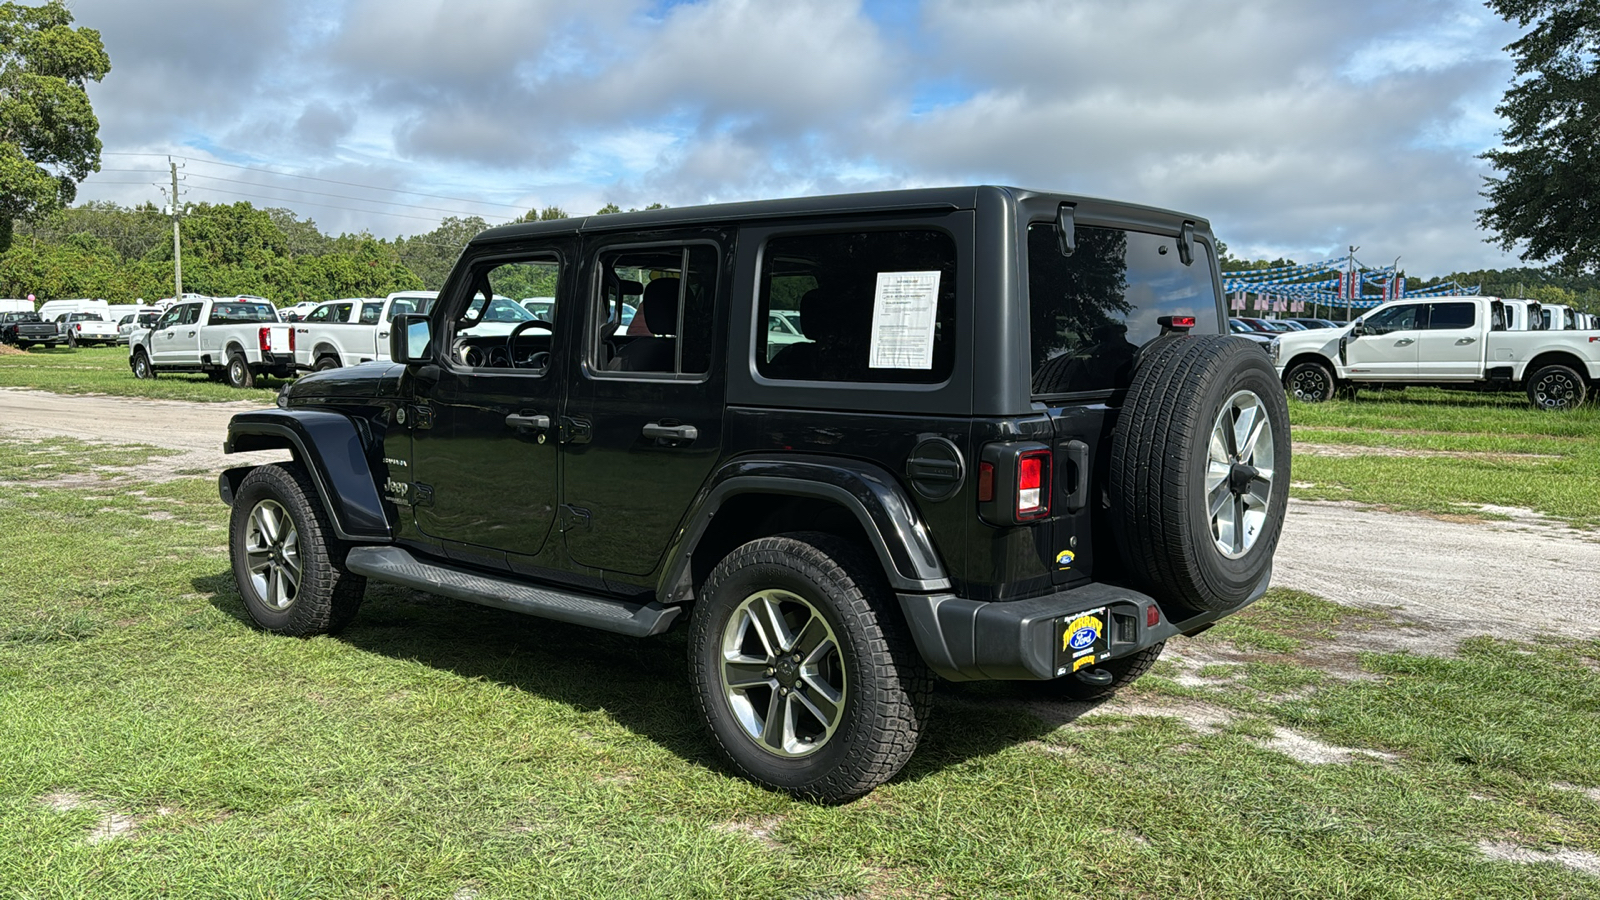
[[333, 449], [888, 517]]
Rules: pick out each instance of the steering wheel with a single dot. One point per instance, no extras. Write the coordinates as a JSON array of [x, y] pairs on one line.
[[511, 342]]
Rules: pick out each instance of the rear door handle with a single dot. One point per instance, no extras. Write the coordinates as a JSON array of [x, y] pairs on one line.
[[659, 432], [191, 334]]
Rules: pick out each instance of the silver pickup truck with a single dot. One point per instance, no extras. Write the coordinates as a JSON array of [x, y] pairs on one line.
[[233, 339]]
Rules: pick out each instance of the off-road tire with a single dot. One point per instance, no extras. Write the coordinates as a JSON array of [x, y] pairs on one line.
[[328, 594], [1557, 388], [1160, 454], [141, 366], [1124, 671], [324, 363], [239, 374], [1309, 382], [888, 688]]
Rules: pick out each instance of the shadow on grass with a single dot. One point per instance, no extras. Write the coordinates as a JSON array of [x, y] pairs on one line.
[[642, 684]]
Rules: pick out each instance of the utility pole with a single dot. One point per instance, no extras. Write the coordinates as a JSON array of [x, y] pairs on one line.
[[177, 245], [1349, 297]]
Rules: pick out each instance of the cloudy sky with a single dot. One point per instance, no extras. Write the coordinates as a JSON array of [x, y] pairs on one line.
[[1295, 127]]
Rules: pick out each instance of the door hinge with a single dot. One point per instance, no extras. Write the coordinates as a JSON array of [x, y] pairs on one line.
[[573, 518], [575, 431]]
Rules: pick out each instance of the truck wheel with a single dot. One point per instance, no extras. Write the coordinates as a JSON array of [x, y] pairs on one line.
[[289, 566], [808, 681], [1199, 473], [72, 341], [1557, 387], [1124, 671], [141, 366], [324, 363], [239, 374], [1309, 382]]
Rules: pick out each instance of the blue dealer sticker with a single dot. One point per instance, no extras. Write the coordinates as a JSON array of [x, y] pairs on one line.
[[1064, 559]]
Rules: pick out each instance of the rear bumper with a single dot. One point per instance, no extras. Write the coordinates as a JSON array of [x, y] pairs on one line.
[[1021, 640]]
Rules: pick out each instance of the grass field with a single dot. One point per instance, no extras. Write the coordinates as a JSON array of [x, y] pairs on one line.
[[104, 370], [1449, 452], [152, 743]]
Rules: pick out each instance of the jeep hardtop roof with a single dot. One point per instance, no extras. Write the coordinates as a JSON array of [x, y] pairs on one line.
[[939, 198]]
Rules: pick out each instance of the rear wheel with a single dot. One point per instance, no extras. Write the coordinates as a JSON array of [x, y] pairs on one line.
[[324, 363], [1557, 388], [807, 679], [1199, 473], [289, 566], [239, 374]]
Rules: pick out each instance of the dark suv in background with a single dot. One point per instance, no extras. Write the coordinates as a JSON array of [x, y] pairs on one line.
[[1013, 444]]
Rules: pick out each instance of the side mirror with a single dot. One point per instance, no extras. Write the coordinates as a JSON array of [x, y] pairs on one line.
[[410, 339], [1358, 329]]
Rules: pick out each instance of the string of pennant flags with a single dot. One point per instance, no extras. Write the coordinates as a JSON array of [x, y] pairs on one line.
[[1333, 282]]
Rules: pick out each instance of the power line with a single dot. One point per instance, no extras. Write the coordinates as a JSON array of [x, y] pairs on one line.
[[201, 187], [275, 187], [370, 187]]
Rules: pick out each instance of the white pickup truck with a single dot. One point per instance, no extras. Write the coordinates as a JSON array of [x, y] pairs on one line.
[[1452, 342], [87, 327], [232, 339], [353, 331]]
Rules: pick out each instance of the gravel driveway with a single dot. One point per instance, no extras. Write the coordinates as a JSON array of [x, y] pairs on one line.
[[1521, 578]]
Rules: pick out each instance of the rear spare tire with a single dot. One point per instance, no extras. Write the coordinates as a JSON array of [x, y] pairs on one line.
[[1199, 473]]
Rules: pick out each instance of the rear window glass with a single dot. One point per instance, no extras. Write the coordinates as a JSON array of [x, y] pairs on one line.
[[222, 313], [1091, 311], [864, 306], [1452, 315]]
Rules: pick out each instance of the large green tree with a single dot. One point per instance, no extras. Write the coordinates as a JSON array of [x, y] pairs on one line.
[[1549, 195], [49, 136]]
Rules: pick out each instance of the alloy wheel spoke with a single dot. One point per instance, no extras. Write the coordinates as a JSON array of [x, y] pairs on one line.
[[1217, 500], [773, 630], [824, 712], [1243, 428], [1238, 524], [743, 674], [812, 643], [824, 699], [1252, 442], [773, 727]]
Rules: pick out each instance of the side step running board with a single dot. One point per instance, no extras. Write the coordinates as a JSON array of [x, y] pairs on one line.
[[397, 566]]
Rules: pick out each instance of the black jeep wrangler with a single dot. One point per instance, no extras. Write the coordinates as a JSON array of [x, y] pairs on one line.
[[853, 441]]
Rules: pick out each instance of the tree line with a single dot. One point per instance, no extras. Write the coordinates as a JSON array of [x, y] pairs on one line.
[[123, 254]]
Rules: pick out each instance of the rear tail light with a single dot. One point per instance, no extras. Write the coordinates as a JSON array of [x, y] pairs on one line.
[[291, 340], [1015, 483], [1175, 324], [266, 339], [1152, 617], [1033, 484]]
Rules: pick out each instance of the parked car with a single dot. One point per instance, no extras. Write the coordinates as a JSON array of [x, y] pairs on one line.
[[87, 328], [1239, 328], [237, 340], [29, 332], [1559, 318], [353, 331], [1314, 323], [783, 329], [134, 322], [958, 472], [298, 311], [1456, 342], [9, 322]]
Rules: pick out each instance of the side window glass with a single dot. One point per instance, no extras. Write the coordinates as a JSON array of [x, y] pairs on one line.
[[168, 319], [1395, 318], [341, 312], [320, 314], [493, 330], [874, 307], [655, 312], [191, 314], [370, 313], [1445, 316]]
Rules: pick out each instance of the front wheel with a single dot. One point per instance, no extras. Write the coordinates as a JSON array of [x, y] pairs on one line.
[[808, 681], [1557, 388], [141, 366], [239, 374], [286, 560], [1309, 382]]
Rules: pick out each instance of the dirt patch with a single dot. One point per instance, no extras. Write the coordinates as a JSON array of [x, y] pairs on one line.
[[1346, 451], [8, 350], [1591, 793], [1577, 860], [1347, 429], [113, 824], [760, 830], [1314, 752]]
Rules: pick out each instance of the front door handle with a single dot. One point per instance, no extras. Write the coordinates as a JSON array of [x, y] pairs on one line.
[[1464, 341], [1404, 341], [660, 432], [191, 334], [523, 422]]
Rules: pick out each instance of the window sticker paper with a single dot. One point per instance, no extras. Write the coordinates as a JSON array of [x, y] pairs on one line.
[[903, 311]]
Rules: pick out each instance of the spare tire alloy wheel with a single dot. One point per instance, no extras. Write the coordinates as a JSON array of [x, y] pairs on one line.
[[1556, 387], [1310, 382], [808, 680], [1199, 460], [1239, 474]]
